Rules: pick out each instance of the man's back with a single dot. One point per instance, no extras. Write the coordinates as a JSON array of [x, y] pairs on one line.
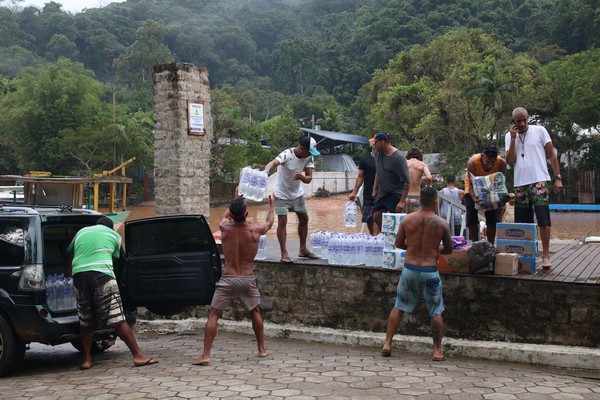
[[240, 245], [420, 234], [416, 169]]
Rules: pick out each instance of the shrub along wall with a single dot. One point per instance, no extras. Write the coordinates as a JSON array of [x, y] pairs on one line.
[[477, 307]]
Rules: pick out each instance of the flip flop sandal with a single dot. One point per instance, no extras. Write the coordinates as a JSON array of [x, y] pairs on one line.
[[310, 255], [286, 260]]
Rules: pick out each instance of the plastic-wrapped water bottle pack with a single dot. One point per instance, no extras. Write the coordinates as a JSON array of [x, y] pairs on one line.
[[60, 293], [253, 183], [348, 249]]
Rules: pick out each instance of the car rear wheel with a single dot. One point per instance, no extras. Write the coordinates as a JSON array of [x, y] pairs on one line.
[[98, 345], [12, 350]]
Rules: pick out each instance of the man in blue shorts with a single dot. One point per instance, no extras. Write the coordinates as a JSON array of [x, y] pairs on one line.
[[420, 234], [391, 182]]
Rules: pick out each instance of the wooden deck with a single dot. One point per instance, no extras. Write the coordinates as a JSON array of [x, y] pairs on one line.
[[571, 263]]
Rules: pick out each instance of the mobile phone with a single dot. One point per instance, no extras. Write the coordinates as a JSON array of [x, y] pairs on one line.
[[512, 121]]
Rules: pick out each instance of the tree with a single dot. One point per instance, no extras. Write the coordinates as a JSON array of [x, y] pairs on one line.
[[49, 102], [488, 98], [60, 46], [295, 64], [136, 65]]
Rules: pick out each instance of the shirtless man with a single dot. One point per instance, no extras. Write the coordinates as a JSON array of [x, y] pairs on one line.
[[416, 169], [239, 240], [420, 234]]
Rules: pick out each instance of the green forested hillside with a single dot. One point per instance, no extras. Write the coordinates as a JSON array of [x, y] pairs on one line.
[[442, 75]]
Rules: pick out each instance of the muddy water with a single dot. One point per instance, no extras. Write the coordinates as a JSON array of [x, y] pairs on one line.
[[327, 214]]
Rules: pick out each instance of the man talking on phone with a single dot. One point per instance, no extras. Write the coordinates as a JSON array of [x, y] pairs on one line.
[[527, 149]]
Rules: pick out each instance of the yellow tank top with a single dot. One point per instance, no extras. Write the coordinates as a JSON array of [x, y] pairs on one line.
[[479, 171]]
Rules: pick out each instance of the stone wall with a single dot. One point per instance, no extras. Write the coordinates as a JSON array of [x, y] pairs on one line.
[[477, 307], [181, 161]]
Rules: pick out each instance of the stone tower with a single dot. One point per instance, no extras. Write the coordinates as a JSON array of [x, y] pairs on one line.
[[182, 139]]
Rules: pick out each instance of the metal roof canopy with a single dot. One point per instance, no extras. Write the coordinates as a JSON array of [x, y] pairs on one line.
[[327, 139]]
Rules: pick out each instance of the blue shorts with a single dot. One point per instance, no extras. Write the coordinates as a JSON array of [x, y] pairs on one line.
[[416, 281]]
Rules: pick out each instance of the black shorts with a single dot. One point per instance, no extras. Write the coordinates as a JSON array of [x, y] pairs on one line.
[[492, 217], [387, 203], [98, 300]]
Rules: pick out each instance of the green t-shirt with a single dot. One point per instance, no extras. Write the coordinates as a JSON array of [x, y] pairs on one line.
[[94, 248]]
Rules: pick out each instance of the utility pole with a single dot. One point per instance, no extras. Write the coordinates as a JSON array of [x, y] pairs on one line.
[[114, 115]]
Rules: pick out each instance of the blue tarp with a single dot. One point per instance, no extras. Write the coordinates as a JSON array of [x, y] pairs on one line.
[[327, 139]]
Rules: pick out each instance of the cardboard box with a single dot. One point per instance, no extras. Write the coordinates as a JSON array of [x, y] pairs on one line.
[[390, 222], [506, 264], [526, 265], [455, 263], [521, 247], [506, 230], [389, 239], [393, 259]]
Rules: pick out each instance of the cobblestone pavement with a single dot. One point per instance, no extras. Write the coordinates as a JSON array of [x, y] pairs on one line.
[[293, 370]]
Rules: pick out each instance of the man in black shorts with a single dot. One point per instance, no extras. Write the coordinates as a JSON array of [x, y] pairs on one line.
[[392, 180]]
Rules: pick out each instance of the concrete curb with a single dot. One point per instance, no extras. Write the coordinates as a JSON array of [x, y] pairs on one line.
[[547, 355]]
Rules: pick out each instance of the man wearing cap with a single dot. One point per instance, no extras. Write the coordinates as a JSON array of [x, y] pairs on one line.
[[482, 164], [392, 179], [294, 167], [527, 149], [366, 175], [240, 245]]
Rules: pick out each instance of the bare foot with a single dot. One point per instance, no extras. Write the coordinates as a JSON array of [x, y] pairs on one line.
[[263, 353], [201, 361], [86, 365]]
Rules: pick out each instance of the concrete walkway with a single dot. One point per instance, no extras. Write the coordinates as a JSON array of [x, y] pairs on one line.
[[295, 369]]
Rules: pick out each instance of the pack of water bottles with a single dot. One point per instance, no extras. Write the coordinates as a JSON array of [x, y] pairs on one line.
[[253, 183], [348, 249], [60, 293], [350, 214], [262, 248]]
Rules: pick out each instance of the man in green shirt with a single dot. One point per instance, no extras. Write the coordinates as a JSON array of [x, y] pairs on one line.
[[98, 299]]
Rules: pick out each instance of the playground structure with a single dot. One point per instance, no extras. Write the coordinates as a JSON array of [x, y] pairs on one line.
[[41, 188]]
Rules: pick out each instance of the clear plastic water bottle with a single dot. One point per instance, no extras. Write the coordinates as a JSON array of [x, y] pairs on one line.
[[71, 301], [350, 214], [261, 188], [378, 252], [324, 243], [368, 256], [244, 181], [60, 292], [315, 244], [262, 248], [253, 185], [51, 292], [346, 250]]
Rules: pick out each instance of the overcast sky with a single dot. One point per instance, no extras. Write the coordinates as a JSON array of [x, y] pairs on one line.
[[73, 6]]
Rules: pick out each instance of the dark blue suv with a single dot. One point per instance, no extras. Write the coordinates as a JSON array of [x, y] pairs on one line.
[[168, 264]]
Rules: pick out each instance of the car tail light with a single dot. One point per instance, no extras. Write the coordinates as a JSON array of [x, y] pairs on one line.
[[32, 278]]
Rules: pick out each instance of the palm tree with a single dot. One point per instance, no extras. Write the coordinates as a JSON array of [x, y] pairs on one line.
[[488, 97]]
